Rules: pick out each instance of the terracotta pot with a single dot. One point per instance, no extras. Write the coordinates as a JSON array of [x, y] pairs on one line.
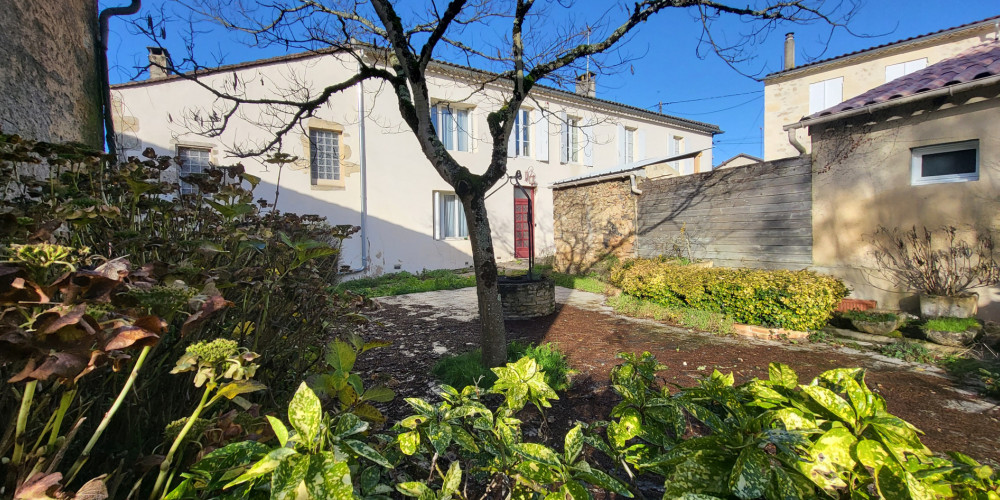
[[952, 306]]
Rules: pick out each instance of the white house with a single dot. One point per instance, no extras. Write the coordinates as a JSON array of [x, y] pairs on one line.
[[359, 164]]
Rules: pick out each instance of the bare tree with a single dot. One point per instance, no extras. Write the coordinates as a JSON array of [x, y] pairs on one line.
[[393, 43]]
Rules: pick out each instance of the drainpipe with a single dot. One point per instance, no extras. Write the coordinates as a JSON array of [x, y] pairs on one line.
[[102, 65], [794, 141], [363, 160], [635, 188]]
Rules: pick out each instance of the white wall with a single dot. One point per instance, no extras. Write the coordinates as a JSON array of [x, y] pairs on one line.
[[400, 180]]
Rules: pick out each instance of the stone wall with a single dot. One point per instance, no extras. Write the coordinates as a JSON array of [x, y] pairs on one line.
[[50, 85], [593, 221], [523, 299]]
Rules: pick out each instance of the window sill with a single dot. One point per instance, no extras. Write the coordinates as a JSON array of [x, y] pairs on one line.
[[949, 179], [328, 185]]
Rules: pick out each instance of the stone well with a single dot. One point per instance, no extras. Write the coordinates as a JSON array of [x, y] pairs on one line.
[[525, 299]]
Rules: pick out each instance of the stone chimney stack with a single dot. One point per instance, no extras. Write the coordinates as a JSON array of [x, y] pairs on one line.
[[586, 84], [789, 51], [159, 63]]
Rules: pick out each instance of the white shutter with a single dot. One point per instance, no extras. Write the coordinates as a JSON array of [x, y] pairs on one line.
[[834, 92], [640, 145], [893, 71], [510, 142], [915, 65], [542, 137], [622, 157], [816, 97], [563, 137], [436, 211], [588, 146]]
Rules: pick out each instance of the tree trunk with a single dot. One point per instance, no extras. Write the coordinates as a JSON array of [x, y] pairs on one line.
[[493, 339]]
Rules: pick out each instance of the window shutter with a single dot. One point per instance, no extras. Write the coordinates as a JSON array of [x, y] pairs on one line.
[[510, 141], [834, 92], [434, 119], [622, 157], [893, 71], [640, 145], [816, 97], [542, 137], [915, 65], [588, 146], [437, 215], [563, 138]]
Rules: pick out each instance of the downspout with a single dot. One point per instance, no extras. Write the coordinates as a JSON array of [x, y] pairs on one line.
[[363, 160], [635, 187], [794, 141], [102, 65]]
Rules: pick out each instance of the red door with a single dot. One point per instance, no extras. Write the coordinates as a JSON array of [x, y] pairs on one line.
[[523, 224]]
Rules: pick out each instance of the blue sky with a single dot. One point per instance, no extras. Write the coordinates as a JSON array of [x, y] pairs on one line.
[[664, 65]]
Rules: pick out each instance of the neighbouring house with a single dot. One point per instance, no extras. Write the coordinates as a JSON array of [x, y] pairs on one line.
[[50, 85], [739, 160], [799, 91], [411, 220], [921, 150]]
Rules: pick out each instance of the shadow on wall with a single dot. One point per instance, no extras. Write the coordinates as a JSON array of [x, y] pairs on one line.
[[392, 248], [591, 222]]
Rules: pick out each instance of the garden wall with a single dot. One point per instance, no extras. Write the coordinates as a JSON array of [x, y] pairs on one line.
[[591, 222], [50, 86], [757, 215]]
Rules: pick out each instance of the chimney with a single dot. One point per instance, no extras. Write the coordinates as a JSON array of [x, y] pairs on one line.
[[159, 63], [789, 51], [586, 84]]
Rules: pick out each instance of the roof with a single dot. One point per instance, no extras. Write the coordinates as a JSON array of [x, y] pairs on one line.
[[741, 155], [979, 62], [626, 169], [905, 41], [443, 66]]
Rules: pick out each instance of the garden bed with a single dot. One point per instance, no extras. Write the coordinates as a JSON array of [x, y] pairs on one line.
[[424, 329]]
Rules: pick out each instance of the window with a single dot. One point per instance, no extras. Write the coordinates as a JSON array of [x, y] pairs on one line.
[[193, 161], [954, 162], [522, 133], [629, 145], [324, 155], [452, 126], [450, 221], [894, 71], [825, 94], [572, 140], [676, 147]]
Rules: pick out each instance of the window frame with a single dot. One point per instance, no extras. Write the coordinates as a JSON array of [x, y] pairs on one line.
[[630, 133], [916, 163], [184, 167], [573, 133], [337, 169], [456, 134], [460, 228], [522, 133]]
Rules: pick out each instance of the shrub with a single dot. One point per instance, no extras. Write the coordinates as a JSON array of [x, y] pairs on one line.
[[707, 321], [467, 369], [951, 324], [798, 300], [935, 263]]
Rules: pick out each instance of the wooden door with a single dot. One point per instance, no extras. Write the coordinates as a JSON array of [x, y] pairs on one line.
[[524, 226]]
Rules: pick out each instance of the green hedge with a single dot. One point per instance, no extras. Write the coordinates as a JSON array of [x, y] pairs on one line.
[[797, 300]]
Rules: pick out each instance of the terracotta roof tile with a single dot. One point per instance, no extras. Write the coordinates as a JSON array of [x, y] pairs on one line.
[[978, 62]]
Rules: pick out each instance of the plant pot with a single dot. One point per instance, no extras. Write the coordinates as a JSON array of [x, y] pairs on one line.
[[954, 306], [954, 339], [875, 327]]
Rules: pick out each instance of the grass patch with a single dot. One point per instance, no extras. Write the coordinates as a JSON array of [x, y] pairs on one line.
[[585, 283], [951, 324], [870, 316], [404, 282], [467, 369], [684, 316], [907, 351]]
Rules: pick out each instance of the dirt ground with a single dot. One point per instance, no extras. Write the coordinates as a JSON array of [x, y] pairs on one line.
[[425, 327]]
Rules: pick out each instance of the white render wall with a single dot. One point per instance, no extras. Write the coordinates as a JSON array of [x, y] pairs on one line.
[[400, 180]]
